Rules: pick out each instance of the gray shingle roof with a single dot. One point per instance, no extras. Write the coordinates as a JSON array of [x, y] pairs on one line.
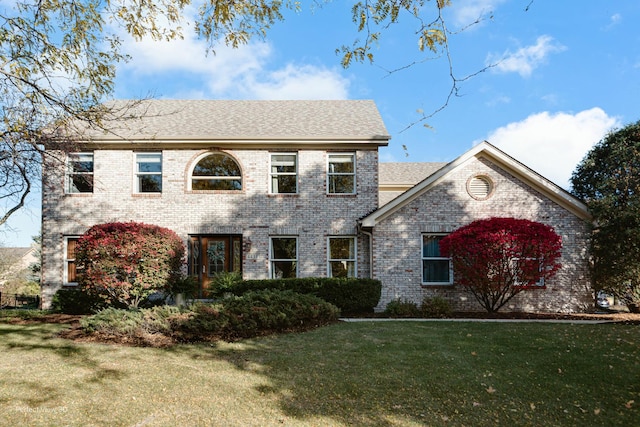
[[356, 120], [390, 173]]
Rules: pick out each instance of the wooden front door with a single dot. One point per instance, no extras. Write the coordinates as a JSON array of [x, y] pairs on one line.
[[211, 255]]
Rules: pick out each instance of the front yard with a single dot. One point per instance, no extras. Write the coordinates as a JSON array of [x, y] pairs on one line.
[[389, 373]]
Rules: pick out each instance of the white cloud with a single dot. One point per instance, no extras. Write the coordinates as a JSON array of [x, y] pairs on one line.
[[526, 59], [553, 144], [233, 73], [466, 12]]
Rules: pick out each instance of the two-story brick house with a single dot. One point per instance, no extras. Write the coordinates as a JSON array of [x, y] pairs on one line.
[[290, 188], [266, 188]]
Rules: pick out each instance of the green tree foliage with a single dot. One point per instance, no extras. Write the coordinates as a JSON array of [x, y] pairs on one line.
[[59, 62], [608, 180], [125, 263], [497, 258]]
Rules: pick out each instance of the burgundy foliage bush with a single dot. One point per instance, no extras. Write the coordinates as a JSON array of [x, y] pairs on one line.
[[127, 262], [497, 258]]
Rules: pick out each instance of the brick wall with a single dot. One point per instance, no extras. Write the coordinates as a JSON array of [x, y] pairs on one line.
[[311, 215], [446, 207]]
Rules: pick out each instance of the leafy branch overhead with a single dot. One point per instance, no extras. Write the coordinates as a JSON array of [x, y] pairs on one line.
[[59, 59]]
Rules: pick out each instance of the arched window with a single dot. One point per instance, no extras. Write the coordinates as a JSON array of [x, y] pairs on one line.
[[216, 172]]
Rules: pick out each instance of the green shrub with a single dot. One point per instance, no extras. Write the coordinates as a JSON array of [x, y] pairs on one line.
[[268, 311], [402, 308], [350, 295], [134, 323], [76, 301], [435, 307], [223, 283], [253, 314], [186, 285]]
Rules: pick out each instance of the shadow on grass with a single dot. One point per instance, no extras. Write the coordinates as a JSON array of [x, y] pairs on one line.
[[38, 340], [387, 374]]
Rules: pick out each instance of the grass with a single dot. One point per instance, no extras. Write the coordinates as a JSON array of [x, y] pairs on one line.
[[347, 374]]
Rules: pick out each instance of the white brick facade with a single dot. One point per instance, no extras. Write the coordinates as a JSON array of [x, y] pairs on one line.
[[312, 215], [445, 206]]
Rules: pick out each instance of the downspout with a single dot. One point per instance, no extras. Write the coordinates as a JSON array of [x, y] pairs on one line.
[[370, 235]]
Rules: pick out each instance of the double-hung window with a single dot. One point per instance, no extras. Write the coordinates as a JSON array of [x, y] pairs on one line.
[[342, 257], [70, 266], [284, 257], [284, 173], [436, 269], [80, 173], [148, 172], [341, 173], [526, 271]]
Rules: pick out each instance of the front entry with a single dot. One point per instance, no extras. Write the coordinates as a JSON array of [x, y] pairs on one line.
[[210, 255]]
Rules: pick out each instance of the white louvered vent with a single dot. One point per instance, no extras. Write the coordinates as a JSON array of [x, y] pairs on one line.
[[480, 187]]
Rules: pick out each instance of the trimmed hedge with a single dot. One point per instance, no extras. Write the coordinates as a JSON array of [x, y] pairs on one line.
[[76, 301], [350, 295]]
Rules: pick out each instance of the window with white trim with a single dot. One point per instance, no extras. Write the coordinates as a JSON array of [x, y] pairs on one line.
[[341, 173], [217, 171], [79, 173], [148, 173], [521, 268], [436, 269], [70, 267], [342, 257], [284, 173], [284, 257]]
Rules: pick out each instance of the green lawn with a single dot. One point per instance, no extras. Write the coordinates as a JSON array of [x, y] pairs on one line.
[[347, 374]]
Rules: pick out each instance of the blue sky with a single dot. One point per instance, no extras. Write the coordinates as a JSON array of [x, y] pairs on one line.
[[563, 75]]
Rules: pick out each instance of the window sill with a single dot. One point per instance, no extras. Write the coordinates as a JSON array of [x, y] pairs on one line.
[[342, 194], [148, 195], [79, 194], [436, 285], [294, 195]]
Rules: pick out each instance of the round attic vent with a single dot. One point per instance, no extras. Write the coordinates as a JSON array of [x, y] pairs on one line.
[[480, 187]]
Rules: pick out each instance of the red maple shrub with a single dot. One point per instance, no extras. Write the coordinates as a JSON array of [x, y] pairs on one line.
[[125, 263], [497, 258]]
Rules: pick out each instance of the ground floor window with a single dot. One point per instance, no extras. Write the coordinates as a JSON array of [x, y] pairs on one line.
[[342, 257], [522, 265], [71, 271], [284, 257], [436, 269]]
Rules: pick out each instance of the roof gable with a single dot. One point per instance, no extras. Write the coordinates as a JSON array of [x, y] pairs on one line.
[[498, 157]]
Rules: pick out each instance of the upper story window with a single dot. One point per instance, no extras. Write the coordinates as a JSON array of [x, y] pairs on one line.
[[216, 171], [341, 173], [436, 269], [342, 257], [284, 173], [148, 172], [80, 173]]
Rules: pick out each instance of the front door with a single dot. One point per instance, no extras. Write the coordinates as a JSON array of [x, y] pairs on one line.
[[211, 255]]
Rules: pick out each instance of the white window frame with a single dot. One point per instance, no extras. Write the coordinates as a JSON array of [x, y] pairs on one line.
[[345, 261], [424, 258], [221, 178], [69, 173], [331, 174], [274, 175], [139, 174], [272, 260], [67, 260], [516, 282]]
